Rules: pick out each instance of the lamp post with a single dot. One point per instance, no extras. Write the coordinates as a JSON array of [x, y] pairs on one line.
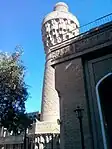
[[25, 138], [52, 141], [79, 114]]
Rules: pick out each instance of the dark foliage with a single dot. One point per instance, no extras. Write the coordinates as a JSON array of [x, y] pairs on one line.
[[13, 93]]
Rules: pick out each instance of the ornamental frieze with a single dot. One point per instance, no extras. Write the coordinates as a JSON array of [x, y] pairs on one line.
[[63, 52], [94, 40], [58, 30], [83, 43]]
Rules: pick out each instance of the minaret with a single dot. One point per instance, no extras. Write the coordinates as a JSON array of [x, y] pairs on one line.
[[50, 100], [57, 27]]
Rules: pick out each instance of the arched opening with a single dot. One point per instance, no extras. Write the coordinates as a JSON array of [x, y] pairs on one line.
[[104, 96]]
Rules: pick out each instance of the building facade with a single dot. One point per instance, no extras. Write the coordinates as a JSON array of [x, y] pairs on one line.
[[83, 75], [78, 72]]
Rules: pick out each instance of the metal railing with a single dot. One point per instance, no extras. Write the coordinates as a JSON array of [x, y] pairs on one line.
[[96, 23]]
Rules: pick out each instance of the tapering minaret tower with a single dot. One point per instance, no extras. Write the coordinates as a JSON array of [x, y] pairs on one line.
[[50, 101], [58, 26]]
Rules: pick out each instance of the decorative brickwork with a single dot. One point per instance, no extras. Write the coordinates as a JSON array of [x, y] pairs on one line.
[[58, 26]]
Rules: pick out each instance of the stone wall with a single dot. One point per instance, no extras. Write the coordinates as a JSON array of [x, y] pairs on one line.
[[70, 85]]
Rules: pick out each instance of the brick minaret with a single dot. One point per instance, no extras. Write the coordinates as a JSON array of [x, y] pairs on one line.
[[57, 26]]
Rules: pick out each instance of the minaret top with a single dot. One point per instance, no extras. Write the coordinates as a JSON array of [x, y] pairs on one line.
[[60, 10], [58, 26], [61, 6]]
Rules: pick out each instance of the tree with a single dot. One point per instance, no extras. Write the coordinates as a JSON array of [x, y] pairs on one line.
[[13, 92]]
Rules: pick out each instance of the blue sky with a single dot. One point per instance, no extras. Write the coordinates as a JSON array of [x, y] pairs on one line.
[[20, 23]]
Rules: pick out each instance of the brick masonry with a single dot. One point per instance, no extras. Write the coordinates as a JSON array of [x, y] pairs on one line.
[[70, 85]]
